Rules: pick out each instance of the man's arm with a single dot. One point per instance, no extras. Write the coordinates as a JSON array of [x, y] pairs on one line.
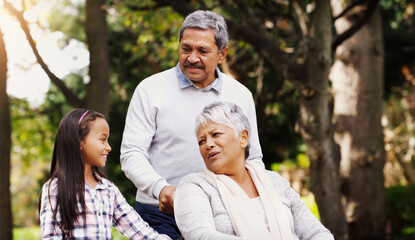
[[255, 152], [140, 128]]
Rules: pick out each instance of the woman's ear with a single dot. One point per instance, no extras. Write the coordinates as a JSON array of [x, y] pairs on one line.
[[244, 138]]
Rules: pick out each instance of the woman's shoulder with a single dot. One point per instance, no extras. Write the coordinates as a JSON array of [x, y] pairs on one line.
[[277, 179], [200, 179]]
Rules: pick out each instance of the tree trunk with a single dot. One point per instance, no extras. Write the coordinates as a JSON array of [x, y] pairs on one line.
[[357, 80], [315, 123], [98, 89], [6, 225]]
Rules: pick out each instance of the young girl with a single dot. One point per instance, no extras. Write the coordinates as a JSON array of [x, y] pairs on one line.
[[78, 202]]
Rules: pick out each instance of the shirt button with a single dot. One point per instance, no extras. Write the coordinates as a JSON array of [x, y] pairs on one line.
[[99, 214], [95, 196]]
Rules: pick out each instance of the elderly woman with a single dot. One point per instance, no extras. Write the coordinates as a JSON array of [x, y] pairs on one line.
[[234, 198]]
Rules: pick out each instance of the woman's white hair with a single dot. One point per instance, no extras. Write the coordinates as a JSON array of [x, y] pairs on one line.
[[225, 113]]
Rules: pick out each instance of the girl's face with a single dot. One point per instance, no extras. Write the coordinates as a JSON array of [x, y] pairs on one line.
[[222, 152], [95, 147]]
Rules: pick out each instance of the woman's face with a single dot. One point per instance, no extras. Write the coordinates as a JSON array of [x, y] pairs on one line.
[[222, 152]]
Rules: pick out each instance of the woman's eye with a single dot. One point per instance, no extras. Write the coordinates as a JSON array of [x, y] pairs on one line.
[[201, 142], [216, 134]]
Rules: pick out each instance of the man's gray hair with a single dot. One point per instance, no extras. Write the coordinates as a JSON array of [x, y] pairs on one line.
[[207, 20], [225, 113]]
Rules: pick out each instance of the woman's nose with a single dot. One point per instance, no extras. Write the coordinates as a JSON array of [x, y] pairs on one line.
[[209, 143]]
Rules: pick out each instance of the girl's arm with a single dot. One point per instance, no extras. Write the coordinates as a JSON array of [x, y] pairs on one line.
[[128, 222], [48, 227], [193, 213]]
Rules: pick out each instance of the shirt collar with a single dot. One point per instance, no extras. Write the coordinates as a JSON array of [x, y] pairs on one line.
[[216, 85], [102, 183]]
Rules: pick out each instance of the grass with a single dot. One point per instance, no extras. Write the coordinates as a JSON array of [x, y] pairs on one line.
[[33, 233]]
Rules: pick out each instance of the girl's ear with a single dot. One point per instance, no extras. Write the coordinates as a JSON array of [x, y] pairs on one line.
[[244, 138]]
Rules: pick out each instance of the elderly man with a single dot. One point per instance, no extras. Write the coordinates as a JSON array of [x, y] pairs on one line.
[[158, 146]]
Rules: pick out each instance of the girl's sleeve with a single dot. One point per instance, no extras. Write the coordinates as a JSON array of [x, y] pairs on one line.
[[48, 228], [128, 222], [193, 213]]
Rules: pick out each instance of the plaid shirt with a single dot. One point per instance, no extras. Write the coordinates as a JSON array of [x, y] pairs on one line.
[[106, 207]]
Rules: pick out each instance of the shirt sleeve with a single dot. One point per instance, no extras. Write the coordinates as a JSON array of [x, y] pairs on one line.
[[193, 214], [48, 228], [306, 225], [255, 152], [140, 128], [128, 222]]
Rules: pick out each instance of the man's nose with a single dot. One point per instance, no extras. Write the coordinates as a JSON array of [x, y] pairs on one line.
[[193, 57]]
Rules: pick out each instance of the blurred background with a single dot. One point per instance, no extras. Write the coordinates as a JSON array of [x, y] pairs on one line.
[[333, 83]]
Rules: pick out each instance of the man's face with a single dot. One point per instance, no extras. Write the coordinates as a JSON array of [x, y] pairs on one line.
[[199, 56]]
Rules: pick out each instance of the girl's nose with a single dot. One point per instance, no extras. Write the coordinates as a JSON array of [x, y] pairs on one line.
[[108, 148]]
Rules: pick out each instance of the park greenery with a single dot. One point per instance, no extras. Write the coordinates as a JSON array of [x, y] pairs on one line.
[[142, 39]]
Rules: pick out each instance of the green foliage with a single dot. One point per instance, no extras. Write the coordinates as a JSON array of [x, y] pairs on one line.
[[32, 233], [66, 16], [400, 209], [302, 160], [117, 235], [32, 142], [398, 19]]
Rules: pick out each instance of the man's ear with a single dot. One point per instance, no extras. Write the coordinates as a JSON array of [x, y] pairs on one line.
[[223, 53], [244, 138]]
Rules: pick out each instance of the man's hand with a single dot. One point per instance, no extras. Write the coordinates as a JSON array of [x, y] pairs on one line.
[[166, 199]]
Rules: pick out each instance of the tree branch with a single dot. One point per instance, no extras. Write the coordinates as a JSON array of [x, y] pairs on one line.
[[339, 39], [348, 8], [72, 99]]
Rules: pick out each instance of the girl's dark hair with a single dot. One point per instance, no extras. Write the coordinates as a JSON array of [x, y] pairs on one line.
[[68, 167]]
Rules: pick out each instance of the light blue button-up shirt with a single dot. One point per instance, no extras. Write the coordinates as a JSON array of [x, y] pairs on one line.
[[184, 82]]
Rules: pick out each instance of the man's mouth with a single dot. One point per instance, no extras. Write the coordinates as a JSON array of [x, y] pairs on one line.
[[193, 65]]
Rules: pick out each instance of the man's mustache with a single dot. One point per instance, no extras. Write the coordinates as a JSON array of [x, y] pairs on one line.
[[194, 65]]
